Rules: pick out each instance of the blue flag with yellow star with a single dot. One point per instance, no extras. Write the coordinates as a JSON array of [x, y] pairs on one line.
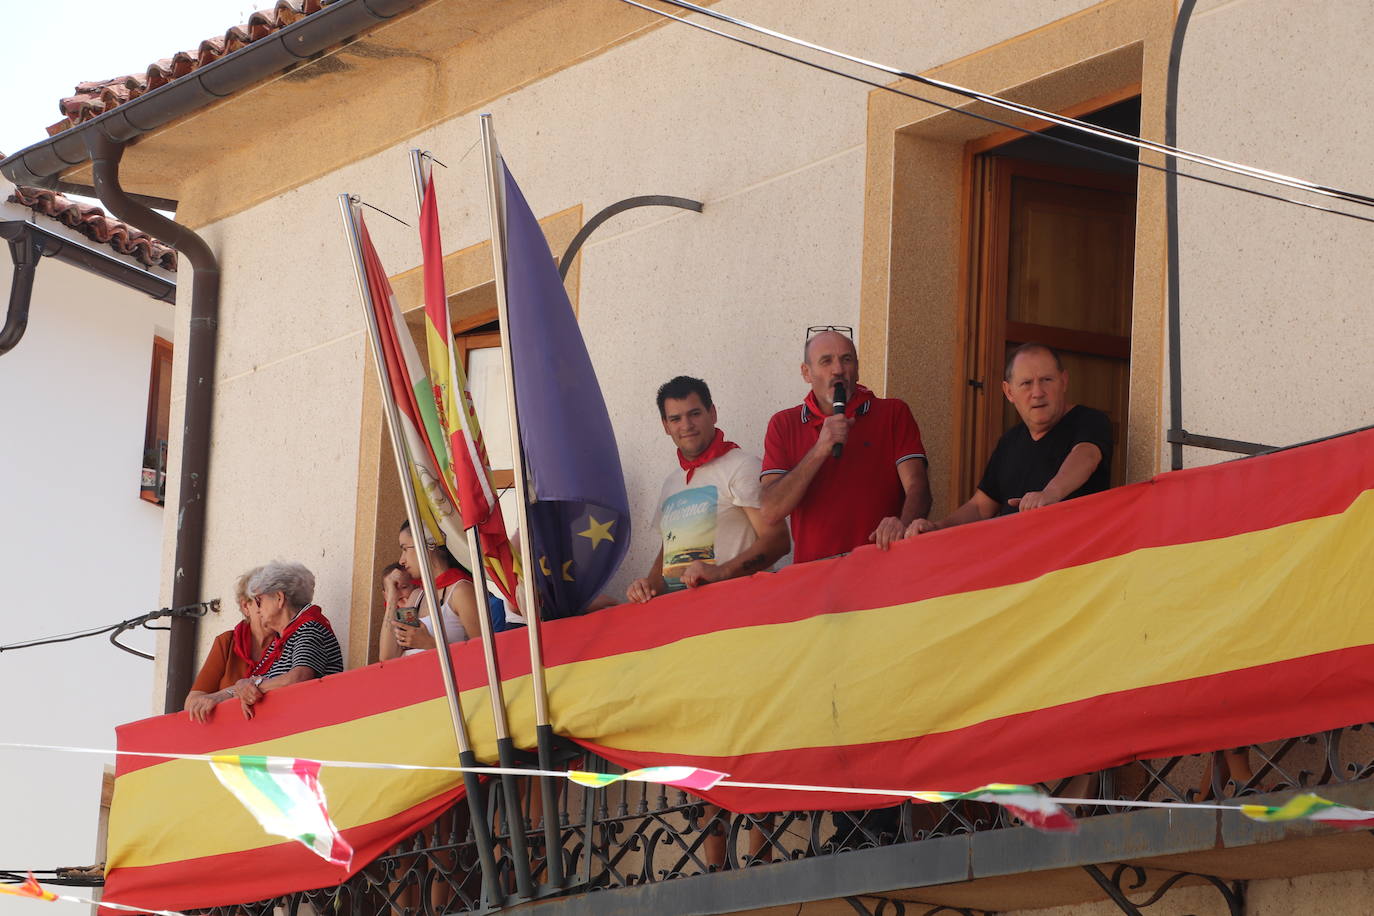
[[578, 512]]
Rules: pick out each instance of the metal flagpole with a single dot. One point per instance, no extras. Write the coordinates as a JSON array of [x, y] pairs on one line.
[[543, 729], [505, 746], [466, 758]]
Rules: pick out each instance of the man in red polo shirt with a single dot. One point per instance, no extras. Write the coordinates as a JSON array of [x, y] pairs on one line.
[[877, 486]]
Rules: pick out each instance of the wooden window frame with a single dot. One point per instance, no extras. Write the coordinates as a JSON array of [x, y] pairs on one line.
[[162, 357]]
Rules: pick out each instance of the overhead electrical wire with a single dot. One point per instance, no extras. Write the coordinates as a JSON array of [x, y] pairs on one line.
[[116, 629], [1070, 123], [69, 877]]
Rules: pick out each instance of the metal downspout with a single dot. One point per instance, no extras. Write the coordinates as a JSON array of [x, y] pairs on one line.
[[25, 250], [200, 373]]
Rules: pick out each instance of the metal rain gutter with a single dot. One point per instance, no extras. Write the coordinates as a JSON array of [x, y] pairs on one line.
[[28, 243], [25, 250], [101, 141], [40, 165], [195, 435]]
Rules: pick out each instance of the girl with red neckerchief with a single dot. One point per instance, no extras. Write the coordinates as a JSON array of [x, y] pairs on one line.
[[408, 626]]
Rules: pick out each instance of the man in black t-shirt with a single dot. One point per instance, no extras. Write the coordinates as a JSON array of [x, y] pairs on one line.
[[1057, 451]]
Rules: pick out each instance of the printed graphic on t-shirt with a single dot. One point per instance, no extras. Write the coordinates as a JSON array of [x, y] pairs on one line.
[[688, 525]]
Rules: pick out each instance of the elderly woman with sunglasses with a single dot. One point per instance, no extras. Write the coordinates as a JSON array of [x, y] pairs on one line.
[[305, 645], [232, 655]]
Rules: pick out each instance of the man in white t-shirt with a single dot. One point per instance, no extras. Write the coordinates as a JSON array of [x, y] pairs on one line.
[[707, 512]]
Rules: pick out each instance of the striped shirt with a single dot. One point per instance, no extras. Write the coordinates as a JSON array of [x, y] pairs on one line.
[[312, 646]]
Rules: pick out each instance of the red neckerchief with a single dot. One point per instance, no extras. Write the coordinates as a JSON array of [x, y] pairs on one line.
[[713, 451], [269, 658], [450, 576], [858, 399], [241, 643]]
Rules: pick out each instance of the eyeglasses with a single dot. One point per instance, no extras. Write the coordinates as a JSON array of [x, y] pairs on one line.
[[844, 329], [257, 599]]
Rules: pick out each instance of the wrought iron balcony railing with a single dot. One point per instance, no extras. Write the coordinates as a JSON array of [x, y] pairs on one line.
[[631, 835]]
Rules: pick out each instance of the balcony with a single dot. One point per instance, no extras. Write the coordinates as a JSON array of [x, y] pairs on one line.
[[640, 848], [1140, 637]]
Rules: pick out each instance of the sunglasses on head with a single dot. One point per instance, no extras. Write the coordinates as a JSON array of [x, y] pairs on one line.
[[844, 329]]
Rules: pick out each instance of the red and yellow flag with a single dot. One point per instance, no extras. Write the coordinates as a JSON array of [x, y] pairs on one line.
[[464, 462], [1210, 608], [405, 383]]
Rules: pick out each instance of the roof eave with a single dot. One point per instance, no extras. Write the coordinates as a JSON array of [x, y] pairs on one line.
[[43, 164]]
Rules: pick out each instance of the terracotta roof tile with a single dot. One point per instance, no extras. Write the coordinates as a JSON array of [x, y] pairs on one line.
[[94, 98], [93, 223]]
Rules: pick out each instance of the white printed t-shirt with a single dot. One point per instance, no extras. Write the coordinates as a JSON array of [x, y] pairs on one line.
[[704, 520]]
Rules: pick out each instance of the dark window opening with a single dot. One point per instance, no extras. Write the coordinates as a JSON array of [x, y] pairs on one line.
[[153, 485], [1051, 259]]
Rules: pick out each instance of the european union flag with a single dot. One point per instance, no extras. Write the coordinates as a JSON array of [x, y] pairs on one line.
[[578, 512]]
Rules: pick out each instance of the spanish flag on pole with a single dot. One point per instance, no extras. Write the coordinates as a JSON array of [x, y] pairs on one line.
[[409, 387], [463, 458]]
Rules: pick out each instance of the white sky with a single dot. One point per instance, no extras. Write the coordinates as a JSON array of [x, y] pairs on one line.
[[46, 48]]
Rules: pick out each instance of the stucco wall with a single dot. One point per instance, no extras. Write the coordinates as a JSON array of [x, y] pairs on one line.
[[78, 548], [776, 153], [1277, 329], [1346, 892]]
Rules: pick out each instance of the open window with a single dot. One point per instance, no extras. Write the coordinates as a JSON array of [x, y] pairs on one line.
[[153, 483], [1051, 260], [477, 343]]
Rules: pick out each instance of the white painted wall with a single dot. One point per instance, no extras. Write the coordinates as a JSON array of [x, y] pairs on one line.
[[78, 548]]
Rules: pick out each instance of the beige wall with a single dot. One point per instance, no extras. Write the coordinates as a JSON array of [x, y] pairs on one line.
[[798, 229], [776, 153], [1277, 322], [783, 158], [1345, 893], [797, 171]]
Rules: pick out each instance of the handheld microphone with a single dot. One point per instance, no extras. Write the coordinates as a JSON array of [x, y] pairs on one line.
[[838, 401]]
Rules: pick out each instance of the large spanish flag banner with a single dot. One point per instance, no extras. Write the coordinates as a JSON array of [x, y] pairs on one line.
[[1203, 609]]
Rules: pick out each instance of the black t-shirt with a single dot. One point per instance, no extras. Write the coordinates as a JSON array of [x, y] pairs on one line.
[[1021, 464]]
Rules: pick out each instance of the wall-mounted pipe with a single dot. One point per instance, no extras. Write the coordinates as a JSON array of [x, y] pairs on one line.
[[105, 155], [25, 250]]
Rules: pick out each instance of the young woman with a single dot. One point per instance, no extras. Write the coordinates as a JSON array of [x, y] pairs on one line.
[[408, 626]]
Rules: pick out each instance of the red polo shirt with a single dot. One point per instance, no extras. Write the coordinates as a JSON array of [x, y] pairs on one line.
[[849, 495]]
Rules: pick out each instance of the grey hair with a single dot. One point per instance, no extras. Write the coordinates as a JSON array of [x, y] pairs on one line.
[[241, 585], [291, 579]]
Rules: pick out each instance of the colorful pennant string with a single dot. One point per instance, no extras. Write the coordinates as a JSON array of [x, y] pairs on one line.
[[694, 778], [284, 795], [1309, 807], [1033, 806], [33, 890], [304, 816], [30, 888]]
